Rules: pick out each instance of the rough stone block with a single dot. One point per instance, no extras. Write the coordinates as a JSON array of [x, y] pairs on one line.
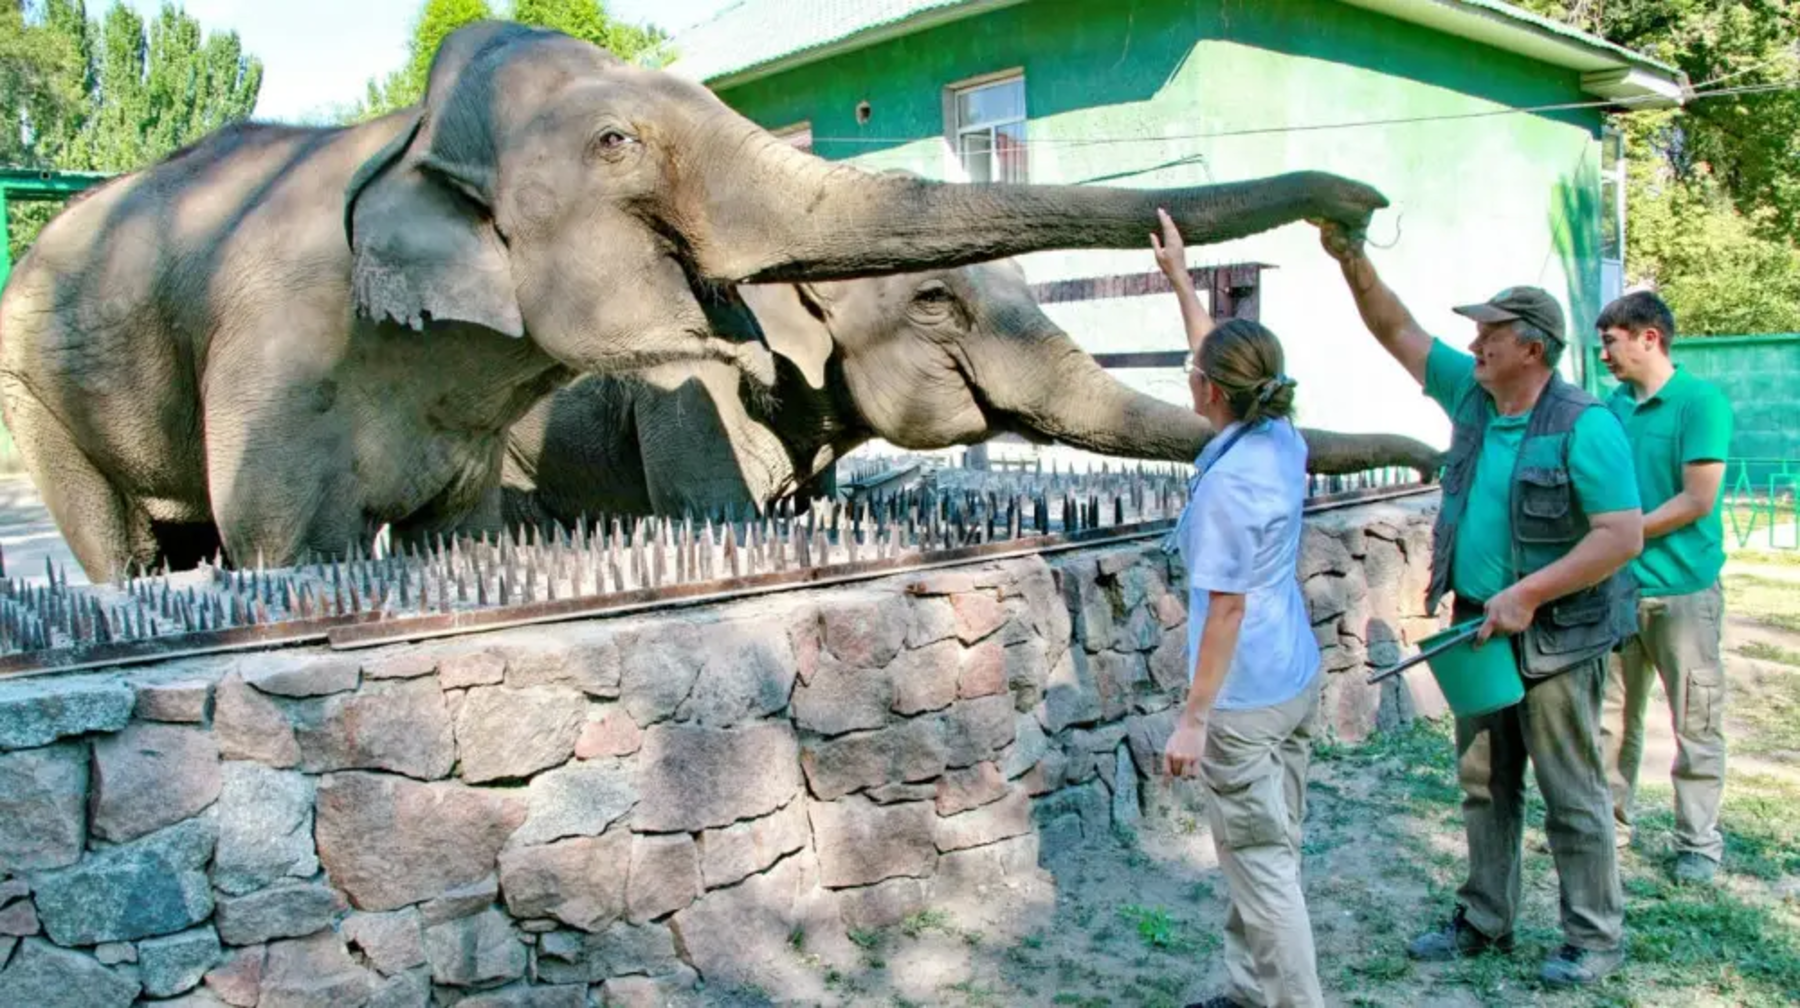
[[963, 871], [302, 675], [1088, 803], [44, 976], [610, 733], [910, 751], [1008, 817], [978, 614], [569, 957], [974, 730], [1027, 669], [43, 807], [1168, 663], [471, 667], [883, 904], [313, 972], [646, 991], [1120, 678], [843, 698], [393, 942], [739, 934], [1140, 632], [973, 787], [923, 680], [461, 901], [1148, 735], [865, 629], [1171, 611], [659, 667], [38, 712], [698, 778], [860, 842], [1126, 811], [151, 886], [389, 841], [665, 876], [290, 910], [406, 663], [580, 799], [238, 979], [983, 671], [1028, 747], [411, 989], [400, 726], [503, 732], [185, 702], [932, 620], [1323, 552], [111, 953], [175, 964], [891, 794], [152, 775], [730, 854], [585, 658], [524, 996], [472, 951], [265, 827], [946, 582], [1071, 697], [579, 881], [249, 726], [748, 674], [18, 920]]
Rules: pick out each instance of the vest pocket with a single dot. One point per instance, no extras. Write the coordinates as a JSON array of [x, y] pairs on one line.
[[1546, 506], [1576, 622]]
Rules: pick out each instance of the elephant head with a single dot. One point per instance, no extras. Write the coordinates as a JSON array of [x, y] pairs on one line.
[[954, 356], [544, 188]]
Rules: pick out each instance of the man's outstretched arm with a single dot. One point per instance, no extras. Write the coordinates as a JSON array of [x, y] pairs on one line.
[[1393, 326]]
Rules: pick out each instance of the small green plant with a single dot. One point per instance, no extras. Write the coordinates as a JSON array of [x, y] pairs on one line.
[[797, 939], [1156, 928], [864, 939], [923, 921]]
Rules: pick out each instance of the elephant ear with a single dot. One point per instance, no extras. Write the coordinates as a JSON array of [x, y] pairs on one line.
[[795, 325], [419, 216]]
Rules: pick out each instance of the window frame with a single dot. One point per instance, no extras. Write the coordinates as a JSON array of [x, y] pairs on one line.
[[953, 128]]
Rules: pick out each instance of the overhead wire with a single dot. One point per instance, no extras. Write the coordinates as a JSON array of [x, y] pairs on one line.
[[1771, 86]]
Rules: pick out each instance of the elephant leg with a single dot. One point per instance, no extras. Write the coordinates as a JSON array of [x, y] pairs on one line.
[[280, 472], [105, 530]]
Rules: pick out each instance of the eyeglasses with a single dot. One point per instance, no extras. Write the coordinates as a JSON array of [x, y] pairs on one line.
[[1191, 367]]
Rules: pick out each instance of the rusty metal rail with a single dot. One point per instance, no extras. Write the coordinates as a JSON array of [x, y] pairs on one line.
[[538, 576]]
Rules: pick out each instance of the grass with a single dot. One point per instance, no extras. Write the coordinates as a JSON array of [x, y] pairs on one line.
[[1761, 651], [1766, 600]]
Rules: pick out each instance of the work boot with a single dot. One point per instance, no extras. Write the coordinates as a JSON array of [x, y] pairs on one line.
[[1574, 967], [1456, 939], [1694, 869]]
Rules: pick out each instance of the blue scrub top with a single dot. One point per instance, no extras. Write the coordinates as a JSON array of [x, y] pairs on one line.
[[1240, 533]]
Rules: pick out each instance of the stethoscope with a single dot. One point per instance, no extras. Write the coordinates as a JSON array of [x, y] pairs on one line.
[[1172, 542]]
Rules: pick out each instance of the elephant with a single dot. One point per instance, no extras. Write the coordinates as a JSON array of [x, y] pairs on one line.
[[924, 360], [278, 339]]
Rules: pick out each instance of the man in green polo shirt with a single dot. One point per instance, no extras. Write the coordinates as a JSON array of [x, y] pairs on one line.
[[1538, 522], [1680, 430]]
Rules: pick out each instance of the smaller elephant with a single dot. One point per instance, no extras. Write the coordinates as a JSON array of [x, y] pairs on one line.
[[923, 360]]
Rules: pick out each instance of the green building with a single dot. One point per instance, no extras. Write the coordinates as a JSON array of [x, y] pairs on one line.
[[1482, 123]]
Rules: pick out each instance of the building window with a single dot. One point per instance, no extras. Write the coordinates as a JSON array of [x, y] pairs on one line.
[[799, 134], [988, 130], [1612, 212]]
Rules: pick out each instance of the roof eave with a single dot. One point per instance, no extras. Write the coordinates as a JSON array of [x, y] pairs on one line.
[[1607, 71]]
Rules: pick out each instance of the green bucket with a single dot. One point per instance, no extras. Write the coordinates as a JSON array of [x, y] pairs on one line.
[[1474, 680]]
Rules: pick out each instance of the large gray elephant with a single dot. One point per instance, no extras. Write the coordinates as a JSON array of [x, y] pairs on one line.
[[281, 338], [923, 360]]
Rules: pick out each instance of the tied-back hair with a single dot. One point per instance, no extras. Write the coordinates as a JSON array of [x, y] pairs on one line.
[[1245, 360]]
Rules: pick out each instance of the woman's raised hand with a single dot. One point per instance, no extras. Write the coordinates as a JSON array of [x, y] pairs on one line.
[[1170, 250]]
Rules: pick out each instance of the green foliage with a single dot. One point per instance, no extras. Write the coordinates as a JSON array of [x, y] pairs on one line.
[[1714, 192], [111, 95], [583, 19]]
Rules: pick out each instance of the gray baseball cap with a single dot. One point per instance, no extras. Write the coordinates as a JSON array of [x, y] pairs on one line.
[[1531, 304]]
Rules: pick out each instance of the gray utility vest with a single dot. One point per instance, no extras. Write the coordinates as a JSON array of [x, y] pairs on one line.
[[1547, 522]]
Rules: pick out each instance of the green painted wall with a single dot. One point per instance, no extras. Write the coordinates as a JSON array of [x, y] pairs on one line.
[[1194, 91], [1760, 375]]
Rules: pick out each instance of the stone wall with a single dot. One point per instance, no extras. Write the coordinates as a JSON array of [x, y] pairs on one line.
[[615, 811]]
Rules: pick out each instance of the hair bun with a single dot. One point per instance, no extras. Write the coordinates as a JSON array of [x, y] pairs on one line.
[[1267, 389]]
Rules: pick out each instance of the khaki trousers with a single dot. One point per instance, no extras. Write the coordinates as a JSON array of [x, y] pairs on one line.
[[1678, 637], [1254, 769], [1556, 727]]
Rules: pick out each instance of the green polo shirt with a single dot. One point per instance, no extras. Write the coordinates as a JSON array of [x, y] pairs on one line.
[[1687, 420], [1599, 463]]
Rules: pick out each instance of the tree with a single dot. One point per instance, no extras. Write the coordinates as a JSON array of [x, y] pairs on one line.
[[1714, 187], [114, 99], [584, 19]]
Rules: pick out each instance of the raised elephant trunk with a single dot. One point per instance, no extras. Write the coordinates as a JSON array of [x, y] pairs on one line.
[[787, 215]]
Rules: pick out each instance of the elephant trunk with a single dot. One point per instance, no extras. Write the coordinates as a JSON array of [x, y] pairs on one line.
[[784, 215], [1062, 392]]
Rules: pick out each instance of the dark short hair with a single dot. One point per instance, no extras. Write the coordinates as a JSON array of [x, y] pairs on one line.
[[1636, 312]]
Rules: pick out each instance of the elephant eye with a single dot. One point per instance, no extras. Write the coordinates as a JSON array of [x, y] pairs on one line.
[[933, 294], [610, 141]]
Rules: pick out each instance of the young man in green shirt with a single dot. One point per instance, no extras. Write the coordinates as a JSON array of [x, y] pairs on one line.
[[1680, 430], [1538, 523]]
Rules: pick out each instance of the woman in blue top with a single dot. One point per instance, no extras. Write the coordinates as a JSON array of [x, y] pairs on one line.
[[1246, 728]]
